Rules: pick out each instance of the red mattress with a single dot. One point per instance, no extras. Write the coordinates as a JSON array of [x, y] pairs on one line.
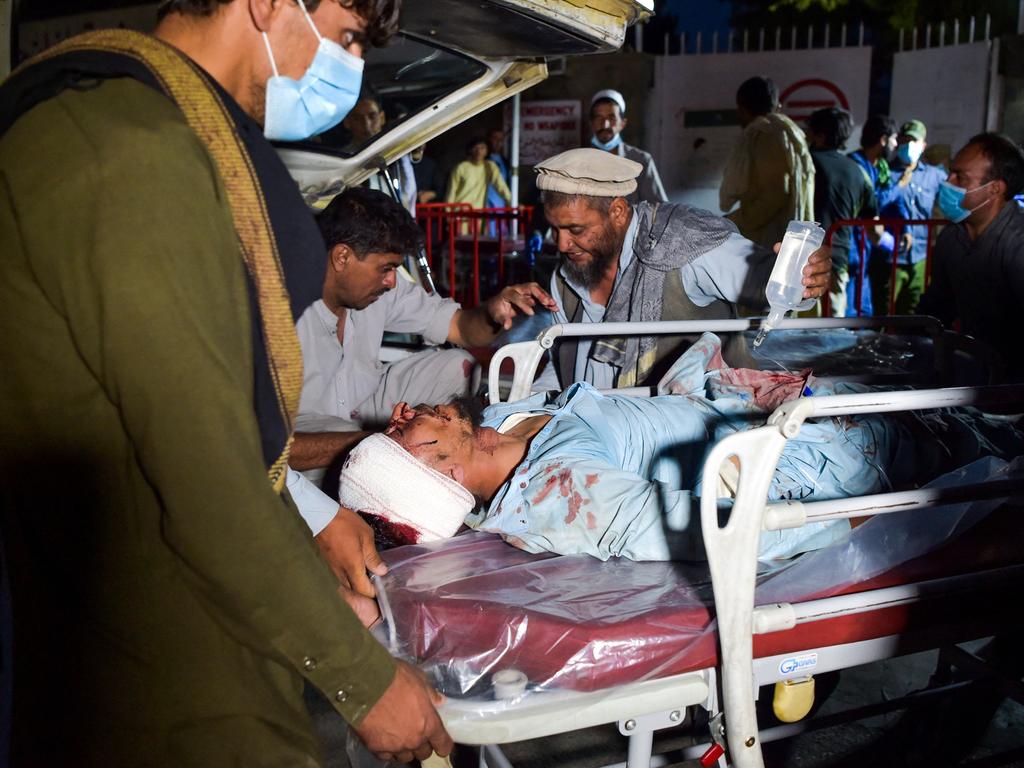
[[473, 605]]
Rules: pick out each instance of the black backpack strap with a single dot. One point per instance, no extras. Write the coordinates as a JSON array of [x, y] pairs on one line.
[[564, 350]]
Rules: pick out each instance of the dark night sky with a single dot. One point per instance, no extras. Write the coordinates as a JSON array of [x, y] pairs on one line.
[[705, 16], [46, 9]]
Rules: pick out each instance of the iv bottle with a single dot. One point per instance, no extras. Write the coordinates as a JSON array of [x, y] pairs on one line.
[[785, 291]]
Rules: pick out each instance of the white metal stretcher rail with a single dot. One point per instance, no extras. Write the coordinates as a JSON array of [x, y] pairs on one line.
[[527, 355], [732, 548]]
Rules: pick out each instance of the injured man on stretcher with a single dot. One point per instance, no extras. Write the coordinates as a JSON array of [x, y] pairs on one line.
[[617, 476]]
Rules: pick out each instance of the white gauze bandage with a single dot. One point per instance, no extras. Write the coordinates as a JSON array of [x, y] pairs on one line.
[[382, 478]]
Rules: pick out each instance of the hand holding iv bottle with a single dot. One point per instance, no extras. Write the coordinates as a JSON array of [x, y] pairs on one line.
[[785, 290]]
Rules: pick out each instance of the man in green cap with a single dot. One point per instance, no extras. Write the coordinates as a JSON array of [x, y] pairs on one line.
[[168, 601], [914, 197]]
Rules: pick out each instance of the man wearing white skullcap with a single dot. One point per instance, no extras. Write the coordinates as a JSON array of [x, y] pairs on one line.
[[607, 121], [643, 263]]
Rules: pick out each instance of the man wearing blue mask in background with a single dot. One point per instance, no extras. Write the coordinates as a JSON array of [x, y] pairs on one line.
[[914, 197], [607, 121], [978, 278], [165, 592]]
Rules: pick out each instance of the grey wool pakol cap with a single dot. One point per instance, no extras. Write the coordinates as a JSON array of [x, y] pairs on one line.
[[587, 171]]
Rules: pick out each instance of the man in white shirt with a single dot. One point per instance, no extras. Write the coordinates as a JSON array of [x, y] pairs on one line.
[[346, 389]]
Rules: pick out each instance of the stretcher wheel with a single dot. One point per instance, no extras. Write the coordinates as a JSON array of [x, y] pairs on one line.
[[793, 699]]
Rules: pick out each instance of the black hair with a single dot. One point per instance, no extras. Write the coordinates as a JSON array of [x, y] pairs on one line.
[[758, 95], [557, 199], [1006, 158], [875, 127], [832, 123], [368, 221], [605, 100], [368, 93], [381, 16], [474, 141]]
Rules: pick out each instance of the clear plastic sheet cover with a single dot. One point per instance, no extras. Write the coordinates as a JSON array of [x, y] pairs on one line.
[[470, 607], [844, 352]]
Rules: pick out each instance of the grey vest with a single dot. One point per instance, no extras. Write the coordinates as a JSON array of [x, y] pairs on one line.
[[676, 306]]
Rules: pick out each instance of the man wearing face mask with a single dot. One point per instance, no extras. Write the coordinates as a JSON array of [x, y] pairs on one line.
[[978, 277], [914, 197], [162, 581], [607, 121]]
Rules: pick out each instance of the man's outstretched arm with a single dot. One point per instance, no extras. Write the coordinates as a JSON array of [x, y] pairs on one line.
[[478, 327]]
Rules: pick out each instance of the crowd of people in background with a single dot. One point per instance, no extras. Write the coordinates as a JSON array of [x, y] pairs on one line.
[[781, 170]]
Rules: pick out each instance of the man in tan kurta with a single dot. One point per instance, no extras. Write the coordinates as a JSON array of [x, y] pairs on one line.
[[770, 173], [167, 601]]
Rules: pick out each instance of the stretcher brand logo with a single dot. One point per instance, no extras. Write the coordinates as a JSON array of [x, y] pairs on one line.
[[795, 664]]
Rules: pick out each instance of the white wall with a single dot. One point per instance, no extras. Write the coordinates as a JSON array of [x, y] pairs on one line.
[[704, 86], [947, 89]]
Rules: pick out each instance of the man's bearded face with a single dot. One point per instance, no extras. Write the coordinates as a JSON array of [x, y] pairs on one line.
[[588, 270], [587, 241]]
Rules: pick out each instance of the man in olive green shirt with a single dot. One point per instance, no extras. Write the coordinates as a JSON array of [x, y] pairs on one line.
[[167, 602], [769, 172]]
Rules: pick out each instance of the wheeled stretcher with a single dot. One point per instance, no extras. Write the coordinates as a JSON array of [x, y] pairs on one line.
[[530, 645]]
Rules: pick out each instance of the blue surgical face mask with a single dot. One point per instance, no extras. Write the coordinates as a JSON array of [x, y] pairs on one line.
[[607, 146], [951, 198], [909, 153], [299, 109]]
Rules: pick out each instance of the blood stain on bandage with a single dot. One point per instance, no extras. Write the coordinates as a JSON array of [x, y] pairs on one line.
[[591, 480], [388, 533]]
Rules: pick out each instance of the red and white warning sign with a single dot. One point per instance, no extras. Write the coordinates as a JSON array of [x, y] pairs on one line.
[[803, 97]]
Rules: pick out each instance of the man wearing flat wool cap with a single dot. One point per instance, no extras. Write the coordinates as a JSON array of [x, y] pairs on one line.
[[641, 263]]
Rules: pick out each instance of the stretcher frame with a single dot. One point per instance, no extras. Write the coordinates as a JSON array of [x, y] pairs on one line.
[[732, 548], [526, 356], [728, 692]]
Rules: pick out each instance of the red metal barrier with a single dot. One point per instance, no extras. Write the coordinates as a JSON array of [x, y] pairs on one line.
[[441, 215], [500, 230], [897, 226]]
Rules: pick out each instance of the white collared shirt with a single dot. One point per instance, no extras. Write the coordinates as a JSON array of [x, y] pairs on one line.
[[338, 377]]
